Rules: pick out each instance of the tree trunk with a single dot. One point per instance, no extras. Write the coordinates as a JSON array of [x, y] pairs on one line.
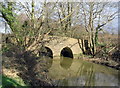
[[81, 45]]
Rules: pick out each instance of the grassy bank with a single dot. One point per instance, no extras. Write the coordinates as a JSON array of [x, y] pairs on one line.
[[12, 82]]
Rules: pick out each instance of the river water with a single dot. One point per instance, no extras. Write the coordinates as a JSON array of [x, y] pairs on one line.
[[76, 72]]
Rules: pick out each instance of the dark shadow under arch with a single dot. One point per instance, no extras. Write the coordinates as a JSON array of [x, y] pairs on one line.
[[46, 51], [66, 52]]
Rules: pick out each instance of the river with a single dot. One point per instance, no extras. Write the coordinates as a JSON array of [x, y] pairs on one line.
[[76, 72]]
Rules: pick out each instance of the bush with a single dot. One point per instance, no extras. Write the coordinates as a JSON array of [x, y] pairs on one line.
[[116, 55]]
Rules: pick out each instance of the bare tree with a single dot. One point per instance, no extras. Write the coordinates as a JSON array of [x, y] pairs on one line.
[[96, 15]]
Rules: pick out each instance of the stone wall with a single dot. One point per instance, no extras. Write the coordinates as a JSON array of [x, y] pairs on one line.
[[58, 43]]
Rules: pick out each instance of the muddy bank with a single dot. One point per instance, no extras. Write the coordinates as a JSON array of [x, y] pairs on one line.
[[108, 63], [32, 72]]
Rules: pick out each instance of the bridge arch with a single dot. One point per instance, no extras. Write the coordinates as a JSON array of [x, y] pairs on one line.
[[46, 51], [66, 52]]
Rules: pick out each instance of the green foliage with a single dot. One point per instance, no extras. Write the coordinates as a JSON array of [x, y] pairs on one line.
[[11, 83], [101, 44], [5, 49]]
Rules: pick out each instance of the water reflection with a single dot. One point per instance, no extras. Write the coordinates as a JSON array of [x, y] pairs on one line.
[[65, 62], [104, 80], [81, 73]]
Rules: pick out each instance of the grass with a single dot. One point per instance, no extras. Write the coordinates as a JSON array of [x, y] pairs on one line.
[[12, 82]]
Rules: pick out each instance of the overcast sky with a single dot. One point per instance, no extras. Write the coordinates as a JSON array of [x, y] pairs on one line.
[[112, 27], [4, 29]]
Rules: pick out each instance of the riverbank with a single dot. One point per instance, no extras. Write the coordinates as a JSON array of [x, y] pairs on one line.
[[28, 71], [108, 63]]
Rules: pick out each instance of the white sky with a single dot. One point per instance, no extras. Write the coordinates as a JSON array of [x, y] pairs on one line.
[[4, 29], [112, 25]]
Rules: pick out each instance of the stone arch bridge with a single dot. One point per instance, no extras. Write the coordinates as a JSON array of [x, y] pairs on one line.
[[62, 46]]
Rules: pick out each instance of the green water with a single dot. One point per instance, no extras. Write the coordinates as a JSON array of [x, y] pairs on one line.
[[76, 72]]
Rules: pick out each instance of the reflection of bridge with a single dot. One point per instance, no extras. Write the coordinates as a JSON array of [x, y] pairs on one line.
[[63, 46], [79, 73]]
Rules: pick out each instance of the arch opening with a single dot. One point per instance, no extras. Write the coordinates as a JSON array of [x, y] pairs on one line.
[[66, 52], [46, 51]]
